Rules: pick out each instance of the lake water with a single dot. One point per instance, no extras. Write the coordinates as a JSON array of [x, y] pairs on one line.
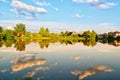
[[60, 62]]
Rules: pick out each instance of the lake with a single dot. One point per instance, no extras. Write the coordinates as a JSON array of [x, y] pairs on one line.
[[60, 62]]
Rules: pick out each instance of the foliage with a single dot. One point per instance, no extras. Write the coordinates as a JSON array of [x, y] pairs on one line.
[[8, 34], [1, 29], [19, 29]]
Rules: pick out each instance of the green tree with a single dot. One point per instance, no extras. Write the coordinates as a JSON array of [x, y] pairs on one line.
[[93, 38], [110, 37], [27, 34], [42, 31], [66, 33], [19, 29], [1, 29], [47, 32], [8, 34], [87, 35]]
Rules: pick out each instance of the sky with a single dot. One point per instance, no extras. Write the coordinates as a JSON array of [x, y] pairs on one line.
[[61, 15]]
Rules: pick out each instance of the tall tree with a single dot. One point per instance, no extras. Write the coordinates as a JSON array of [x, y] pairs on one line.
[[20, 29], [42, 31], [47, 32]]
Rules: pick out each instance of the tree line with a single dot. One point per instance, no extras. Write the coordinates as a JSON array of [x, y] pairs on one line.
[[20, 36]]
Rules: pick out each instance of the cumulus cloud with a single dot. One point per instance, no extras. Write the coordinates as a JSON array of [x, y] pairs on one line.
[[22, 9], [97, 3]]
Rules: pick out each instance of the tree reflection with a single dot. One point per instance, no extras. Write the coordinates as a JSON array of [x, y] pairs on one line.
[[20, 45], [1, 43], [44, 43], [8, 43]]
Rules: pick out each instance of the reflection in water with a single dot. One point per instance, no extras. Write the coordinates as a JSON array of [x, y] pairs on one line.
[[4, 70], [93, 70], [26, 61], [1, 58], [32, 73], [20, 45], [25, 64], [76, 57]]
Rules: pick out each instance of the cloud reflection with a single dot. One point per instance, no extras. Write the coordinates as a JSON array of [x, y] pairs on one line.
[[26, 61], [32, 73], [76, 57], [3, 70], [93, 70], [1, 58]]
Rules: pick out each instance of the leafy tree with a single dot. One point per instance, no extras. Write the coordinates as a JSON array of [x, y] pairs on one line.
[[47, 32], [66, 33], [27, 34], [42, 31], [110, 37], [1, 29], [20, 29], [1, 36], [87, 34], [8, 34]]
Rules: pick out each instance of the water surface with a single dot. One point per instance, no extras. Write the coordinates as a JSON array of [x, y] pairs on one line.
[[60, 62]]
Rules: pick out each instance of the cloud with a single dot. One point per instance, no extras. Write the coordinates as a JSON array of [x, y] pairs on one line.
[[21, 9], [93, 70], [3, 0], [30, 18], [97, 3], [78, 16], [44, 3]]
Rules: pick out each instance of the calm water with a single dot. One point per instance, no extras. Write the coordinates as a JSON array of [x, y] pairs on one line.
[[61, 62]]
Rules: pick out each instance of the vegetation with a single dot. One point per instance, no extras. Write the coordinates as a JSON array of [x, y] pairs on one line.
[[21, 37]]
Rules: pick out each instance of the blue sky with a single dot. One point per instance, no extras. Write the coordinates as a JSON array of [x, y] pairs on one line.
[[62, 14]]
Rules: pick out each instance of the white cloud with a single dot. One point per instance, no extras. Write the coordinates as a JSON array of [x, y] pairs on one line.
[[97, 3], [58, 27], [30, 18], [78, 16], [55, 8], [3, 0], [44, 3], [29, 8], [22, 10]]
